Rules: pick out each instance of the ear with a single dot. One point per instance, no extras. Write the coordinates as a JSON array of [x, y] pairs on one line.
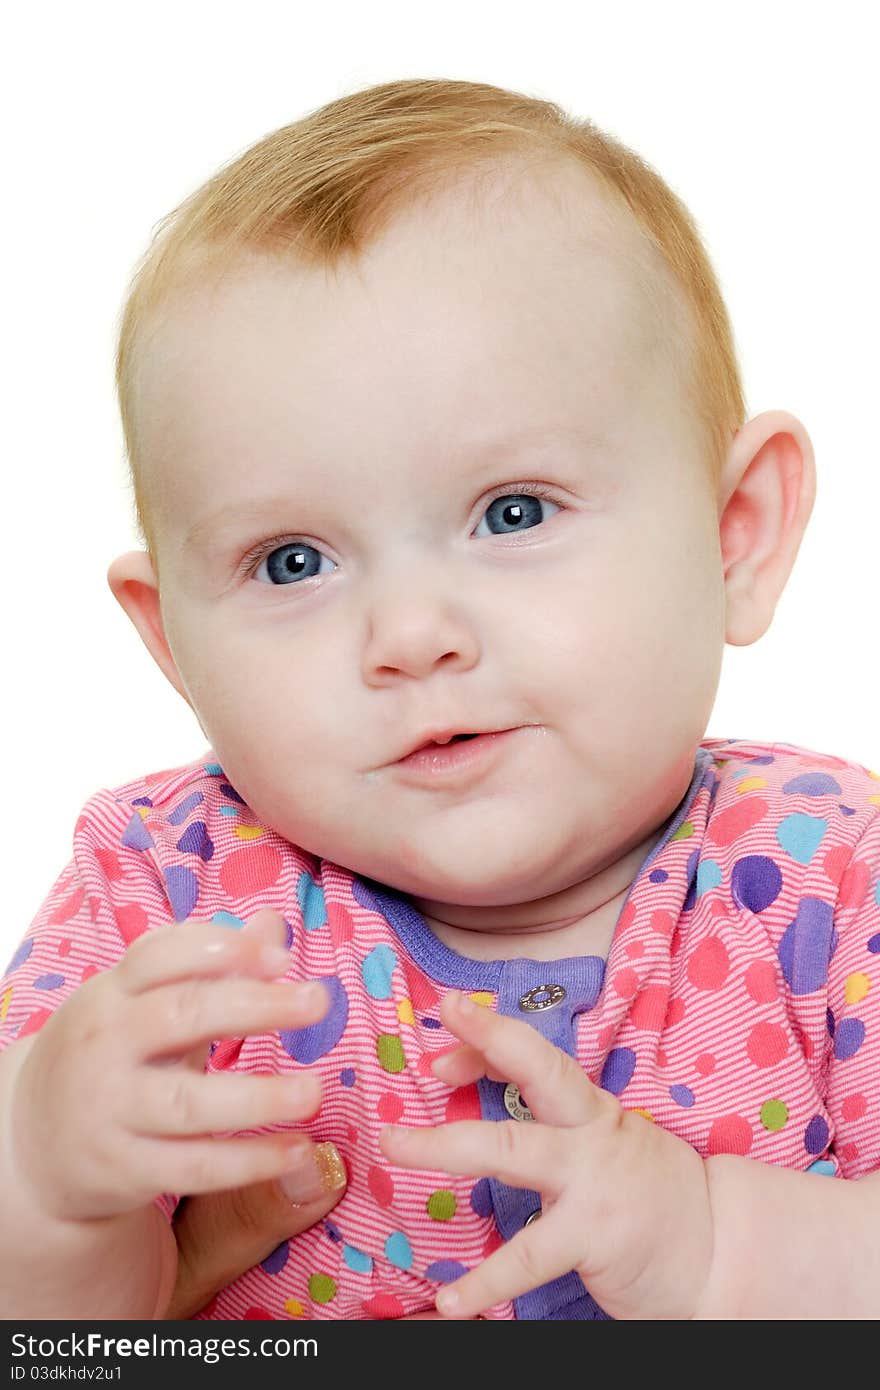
[[766, 495], [134, 585]]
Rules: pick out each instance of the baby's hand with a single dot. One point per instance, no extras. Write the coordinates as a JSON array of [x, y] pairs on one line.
[[624, 1202], [110, 1105]]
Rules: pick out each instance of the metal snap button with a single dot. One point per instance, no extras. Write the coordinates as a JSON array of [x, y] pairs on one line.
[[514, 1103], [541, 997], [533, 1216]]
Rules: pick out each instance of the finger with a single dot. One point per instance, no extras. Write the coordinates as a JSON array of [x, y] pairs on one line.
[[534, 1256], [204, 949], [180, 1017], [221, 1235], [532, 1155], [210, 1164], [559, 1092], [175, 1102], [268, 926], [463, 1066]]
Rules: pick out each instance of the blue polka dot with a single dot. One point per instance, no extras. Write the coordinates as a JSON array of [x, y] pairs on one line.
[[52, 981], [189, 803], [357, 1260], [274, 1263], [332, 1230], [398, 1250], [823, 1167], [308, 1044], [310, 896], [182, 888], [481, 1197], [431, 1023], [444, 1271], [136, 835], [813, 784], [755, 882], [618, 1069], [232, 794], [848, 1039], [228, 919], [377, 970], [20, 956], [682, 1095], [347, 1077], [874, 941], [816, 1135], [807, 945]]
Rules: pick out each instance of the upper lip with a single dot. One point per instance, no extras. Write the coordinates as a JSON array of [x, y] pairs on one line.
[[444, 736]]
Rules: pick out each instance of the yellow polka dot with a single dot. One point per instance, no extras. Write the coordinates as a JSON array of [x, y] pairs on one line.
[[144, 811], [875, 775], [875, 800], [481, 996], [646, 1113], [294, 1308], [857, 987], [751, 784], [248, 832], [684, 831], [4, 1006], [405, 1011]]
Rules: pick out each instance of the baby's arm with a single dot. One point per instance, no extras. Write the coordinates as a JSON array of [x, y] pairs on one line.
[[107, 1106], [791, 1244]]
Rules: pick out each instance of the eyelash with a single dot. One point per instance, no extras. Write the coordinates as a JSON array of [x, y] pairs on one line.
[[258, 552]]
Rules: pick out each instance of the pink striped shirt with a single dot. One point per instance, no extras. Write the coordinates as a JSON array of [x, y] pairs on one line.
[[739, 1006]]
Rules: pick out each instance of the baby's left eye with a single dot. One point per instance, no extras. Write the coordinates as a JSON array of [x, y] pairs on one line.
[[515, 511]]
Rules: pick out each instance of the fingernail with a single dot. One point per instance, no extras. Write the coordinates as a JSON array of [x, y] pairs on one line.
[[319, 1171]]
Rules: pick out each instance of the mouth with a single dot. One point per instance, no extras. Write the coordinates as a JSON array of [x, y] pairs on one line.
[[455, 756]]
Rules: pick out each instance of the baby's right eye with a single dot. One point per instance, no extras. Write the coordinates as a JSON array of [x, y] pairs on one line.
[[290, 562]]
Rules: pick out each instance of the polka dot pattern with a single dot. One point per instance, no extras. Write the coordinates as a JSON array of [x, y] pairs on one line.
[[738, 1008]]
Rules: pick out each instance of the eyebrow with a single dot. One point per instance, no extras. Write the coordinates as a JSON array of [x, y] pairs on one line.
[[240, 516]]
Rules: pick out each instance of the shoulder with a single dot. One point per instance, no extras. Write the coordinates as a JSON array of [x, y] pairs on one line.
[[189, 828], [793, 802]]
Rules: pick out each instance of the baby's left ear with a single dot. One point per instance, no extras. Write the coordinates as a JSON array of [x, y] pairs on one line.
[[135, 586], [766, 495]]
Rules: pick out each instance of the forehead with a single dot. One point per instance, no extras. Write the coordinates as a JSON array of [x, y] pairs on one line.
[[522, 287]]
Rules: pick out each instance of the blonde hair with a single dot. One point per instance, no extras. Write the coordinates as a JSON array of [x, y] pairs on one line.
[[321, 188]]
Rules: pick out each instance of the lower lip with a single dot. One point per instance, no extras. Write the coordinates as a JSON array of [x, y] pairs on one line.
[[442, 762]]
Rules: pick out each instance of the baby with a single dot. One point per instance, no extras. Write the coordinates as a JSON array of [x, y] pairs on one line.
[[450, 504]]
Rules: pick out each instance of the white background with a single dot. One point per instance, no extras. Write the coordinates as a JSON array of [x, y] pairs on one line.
[[763, 117]]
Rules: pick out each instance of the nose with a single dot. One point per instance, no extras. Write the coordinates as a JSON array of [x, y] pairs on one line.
[[413, 631]]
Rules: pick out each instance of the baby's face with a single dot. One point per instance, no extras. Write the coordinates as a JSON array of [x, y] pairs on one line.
[[450, 487]]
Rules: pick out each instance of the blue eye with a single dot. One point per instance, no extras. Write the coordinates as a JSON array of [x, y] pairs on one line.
[[290, 561], [520, 512]]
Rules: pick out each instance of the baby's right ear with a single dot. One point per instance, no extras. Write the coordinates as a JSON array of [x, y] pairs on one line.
[[134, 585]]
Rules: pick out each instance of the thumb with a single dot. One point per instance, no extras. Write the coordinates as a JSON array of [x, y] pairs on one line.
[[221, 1235]]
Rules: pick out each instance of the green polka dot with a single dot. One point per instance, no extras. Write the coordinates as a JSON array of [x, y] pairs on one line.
[[774, 1114], [684, 831], [390, 1052], [441, 1205], [321, 1288]]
